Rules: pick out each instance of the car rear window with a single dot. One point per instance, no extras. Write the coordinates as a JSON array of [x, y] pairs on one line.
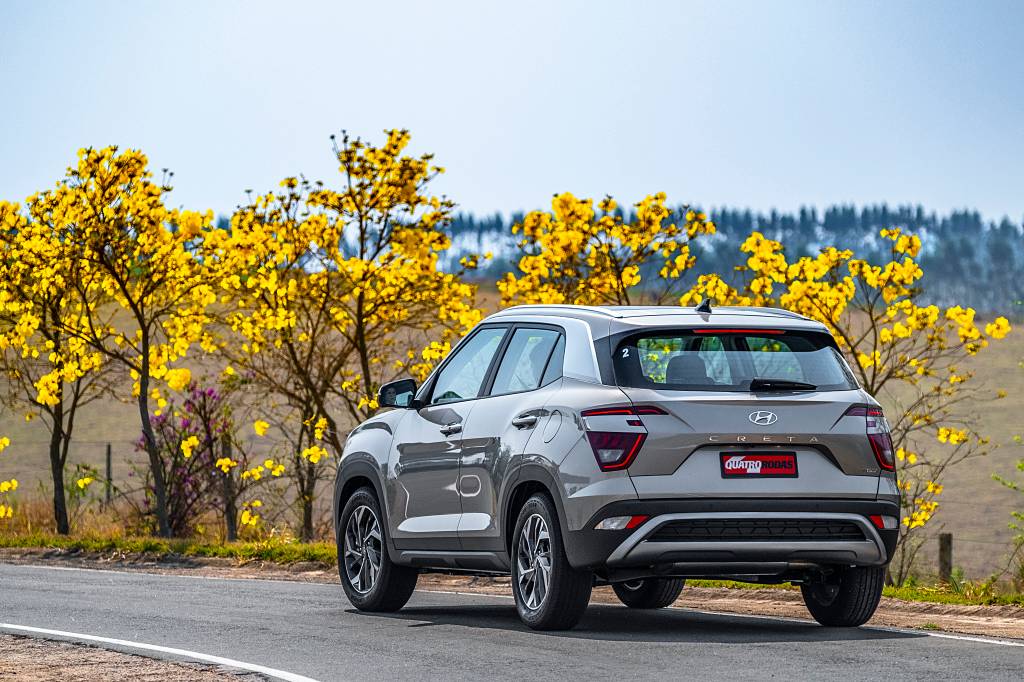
[[725, 360]]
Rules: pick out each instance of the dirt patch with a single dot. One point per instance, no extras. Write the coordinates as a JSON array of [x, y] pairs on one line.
[[993, 621], [31, 659]]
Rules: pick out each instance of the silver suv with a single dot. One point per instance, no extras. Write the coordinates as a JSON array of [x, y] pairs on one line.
[[575, 446]]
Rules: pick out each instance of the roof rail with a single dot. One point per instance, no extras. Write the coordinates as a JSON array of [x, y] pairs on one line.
[[781, 312], [557, 306]]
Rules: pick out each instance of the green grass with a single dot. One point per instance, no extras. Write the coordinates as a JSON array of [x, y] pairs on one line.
[[275, 550], [975, 594], [733, 585], [969, 594]]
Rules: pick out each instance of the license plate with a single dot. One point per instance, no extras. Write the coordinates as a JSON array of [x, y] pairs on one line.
[[758, 465]]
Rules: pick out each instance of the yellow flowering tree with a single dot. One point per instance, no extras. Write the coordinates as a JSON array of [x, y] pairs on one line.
[[49, 373], [335, 290], [6, 486], [907, 354], [578, 254], [141, 291]]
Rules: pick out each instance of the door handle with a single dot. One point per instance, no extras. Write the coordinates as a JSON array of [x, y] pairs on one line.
[[524, 420], [449, 429]]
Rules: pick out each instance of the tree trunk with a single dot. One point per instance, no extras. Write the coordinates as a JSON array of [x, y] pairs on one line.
[[155, 464], [60, 506], [306, 495], [230, 503]]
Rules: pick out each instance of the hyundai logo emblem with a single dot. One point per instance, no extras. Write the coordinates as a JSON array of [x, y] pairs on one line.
[[763, 418]]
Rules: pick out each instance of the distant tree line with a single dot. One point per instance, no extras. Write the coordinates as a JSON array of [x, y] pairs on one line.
[[967, 259]]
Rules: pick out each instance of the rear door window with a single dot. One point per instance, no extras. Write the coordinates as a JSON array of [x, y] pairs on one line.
[[554, 368], [527, 356], [726, 360]]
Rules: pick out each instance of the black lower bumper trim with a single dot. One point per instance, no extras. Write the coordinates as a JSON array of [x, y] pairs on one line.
[[590, 548]]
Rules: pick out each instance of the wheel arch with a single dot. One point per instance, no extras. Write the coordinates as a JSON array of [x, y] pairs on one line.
[[532, 479], [352, 476]]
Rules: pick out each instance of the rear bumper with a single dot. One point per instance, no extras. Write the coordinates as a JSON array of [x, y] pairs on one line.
[[637, 549]]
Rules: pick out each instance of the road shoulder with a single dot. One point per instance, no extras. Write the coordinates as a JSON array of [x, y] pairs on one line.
[[31, 659]]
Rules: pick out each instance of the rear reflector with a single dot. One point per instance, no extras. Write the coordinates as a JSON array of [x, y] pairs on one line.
[[621, 522], [884, 522]]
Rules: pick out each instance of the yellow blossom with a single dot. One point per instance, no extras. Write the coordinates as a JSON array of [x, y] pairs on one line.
[[178, 379], [188, 445], [314, 453], [225, 464]]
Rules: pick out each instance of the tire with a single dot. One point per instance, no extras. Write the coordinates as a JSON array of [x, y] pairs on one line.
[[550, 594], [847, 598], [649, 593], [384, 586]]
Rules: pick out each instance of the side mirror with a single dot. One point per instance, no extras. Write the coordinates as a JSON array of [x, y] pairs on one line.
[[397, 393]]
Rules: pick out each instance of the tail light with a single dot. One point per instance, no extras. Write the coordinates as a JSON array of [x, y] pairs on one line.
[[617, 441], [615, 450], [878, 434]]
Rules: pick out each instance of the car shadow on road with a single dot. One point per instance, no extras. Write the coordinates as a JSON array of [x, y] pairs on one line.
[[617, 623]]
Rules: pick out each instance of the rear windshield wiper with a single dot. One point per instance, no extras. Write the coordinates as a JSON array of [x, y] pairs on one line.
[[780, 385]]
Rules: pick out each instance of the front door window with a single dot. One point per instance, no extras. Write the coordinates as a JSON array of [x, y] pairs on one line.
[[463, 376]]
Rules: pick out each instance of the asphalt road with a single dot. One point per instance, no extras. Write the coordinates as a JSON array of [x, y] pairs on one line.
[[312, 630]]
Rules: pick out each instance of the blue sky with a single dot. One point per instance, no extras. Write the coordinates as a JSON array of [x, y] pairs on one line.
[[744, 104]]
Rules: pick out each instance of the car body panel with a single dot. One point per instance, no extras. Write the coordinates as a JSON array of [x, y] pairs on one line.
[[700, 476], [424, 504], [713, 418], [492, 449]]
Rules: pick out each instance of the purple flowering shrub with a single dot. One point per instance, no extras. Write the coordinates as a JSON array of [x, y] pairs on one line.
[[189, 438]]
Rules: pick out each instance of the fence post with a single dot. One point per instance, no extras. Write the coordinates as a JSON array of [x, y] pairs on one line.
[[110, 474], [945, 557]]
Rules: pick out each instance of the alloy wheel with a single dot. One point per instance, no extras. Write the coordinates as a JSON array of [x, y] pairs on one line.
[[533, 561], [363, 549]]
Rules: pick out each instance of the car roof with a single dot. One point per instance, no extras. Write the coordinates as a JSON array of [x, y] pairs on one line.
[[612, 319]]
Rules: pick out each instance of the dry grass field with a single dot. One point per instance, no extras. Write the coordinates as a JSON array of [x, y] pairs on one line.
[[973, 507]]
